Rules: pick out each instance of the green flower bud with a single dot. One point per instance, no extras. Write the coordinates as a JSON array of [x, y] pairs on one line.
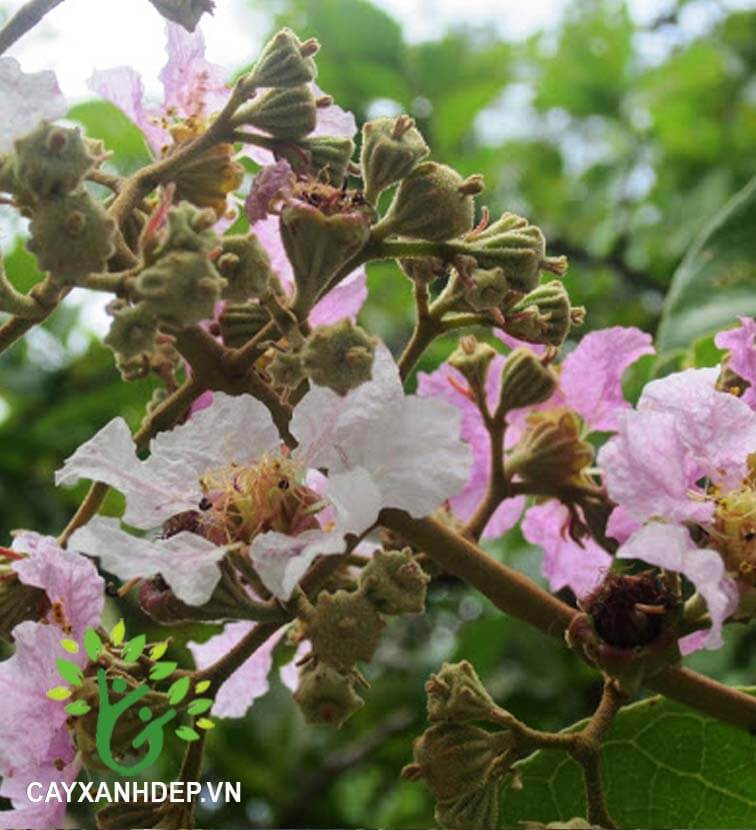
[[245, 265], [391, 149], [433, 202], [551, 453], [133, 331], [18, 602], [486, 289], [286, 369], [395, 583], [288, 113], [457, 694], [325, 695], [240, 323], [52, 161], [543, 316], [339, 356], [318, 244], [206, 179], [326, 157], [517, 247], [473, 360], [188, 228], [525, 381], [180, 289], [72, 236], [186, 13], [284, 61], [344, 628]]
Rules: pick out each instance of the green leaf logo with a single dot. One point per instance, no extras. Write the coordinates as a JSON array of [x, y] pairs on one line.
[[178, 690], [77, 708], [199, 706], [92, 644], [186, 733], [162, 670], [69, 671], [118, 633], [132, 651]]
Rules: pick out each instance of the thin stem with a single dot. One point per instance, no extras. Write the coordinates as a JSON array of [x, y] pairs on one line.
[[425, 332], [498, 484], [25, 19], [520, 597], [47, 294]]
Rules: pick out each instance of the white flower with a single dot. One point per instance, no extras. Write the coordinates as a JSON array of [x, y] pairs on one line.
[[25, 101], [378, 448]]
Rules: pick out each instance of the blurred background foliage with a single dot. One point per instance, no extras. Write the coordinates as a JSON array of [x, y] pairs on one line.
[[621, 141]]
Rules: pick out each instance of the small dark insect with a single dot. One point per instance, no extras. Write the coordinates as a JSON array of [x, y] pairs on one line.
[[283, 484]]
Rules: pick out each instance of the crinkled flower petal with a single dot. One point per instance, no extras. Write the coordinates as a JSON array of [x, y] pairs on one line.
[[187, 562], [717, 429], [26, 99], [356, 500], [646, 469], [273, 181], [741, 344], [123, 87], [591, 376], [670, 547], [281, 560], [621, 525], [565, 563], [249, 681], [515, 342], [69, 580], [193, 87]]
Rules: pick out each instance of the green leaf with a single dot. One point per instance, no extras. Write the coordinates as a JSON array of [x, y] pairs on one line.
[[205, 723], [92, 644], [71, 646], [78, 707], [178, 690], [716, 282], [59, 693], [158, 650], [161, 670], [202, 686], [199, 705], [69, 671], [118, 633], [186, 733], [664, 766], [132, 651]]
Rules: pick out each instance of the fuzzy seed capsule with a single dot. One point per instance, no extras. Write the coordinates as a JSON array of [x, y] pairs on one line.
[[245, 265], [473, 359], [52, 161], [525, 381], [287, 113], [391, 149], [284, 61], [325, 695], [395, 583], [339, 356]]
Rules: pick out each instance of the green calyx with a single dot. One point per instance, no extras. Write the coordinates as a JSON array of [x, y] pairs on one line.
[[394, 582], [457, 694], [241, 322], [326, 695], [525, 380], [286, 113], [286, 369], [245, 266], [391, 149], [339, 356], [473, 359], [51, 161], [325, 157], [285, 61], [133, 331], [545, 315]]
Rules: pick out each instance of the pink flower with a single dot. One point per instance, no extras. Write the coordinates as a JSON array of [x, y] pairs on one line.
[[741, 344], [270, 183], [193, 88], [36, 743]]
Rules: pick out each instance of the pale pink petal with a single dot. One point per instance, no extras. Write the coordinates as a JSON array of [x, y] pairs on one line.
[[591, 376], [187, 562], [565, 563], [356, 500], [345, 300], [717, 429], [204, 401], [193, 87], [123, 87], [26, 99], [268, 233], [273, 181], [621, 525], [68, 579], [646, 470], [333, 120], [515, 343], [249, 681], [670, 547], [741, 344], [289, 673]]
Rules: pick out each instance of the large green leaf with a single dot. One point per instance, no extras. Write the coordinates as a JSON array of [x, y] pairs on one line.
[[716, 281], [664, 766]]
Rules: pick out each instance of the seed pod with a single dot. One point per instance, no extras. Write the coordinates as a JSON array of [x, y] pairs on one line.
[[433, 202], [394, 582], [525, 381], [391, 149], [133, 331], [473, 359], [52, 161], [339, 356], [288, 113], [325, 695], [72, 236], [284, 61], [457, 694], [245, 265], [542, 316]]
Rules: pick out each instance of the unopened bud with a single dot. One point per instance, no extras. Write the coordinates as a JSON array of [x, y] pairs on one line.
[[180, 289], [208, 178], [325, 695], [473, 359], [240, 323], [133, 331], [245, 265], [52, 161], [485, 289], [284, 61], [286, 369], [543, 316], [72, 236], [394, 582], [391, 149], [433, 202], [525, 380], [186, 13], [188, 228], [339, 356], [344, 629], [286, 113], [457, 694], [326, 157]]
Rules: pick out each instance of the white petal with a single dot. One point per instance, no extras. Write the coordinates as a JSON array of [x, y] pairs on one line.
[[154, 491], [356, 499], [281, 561], [187, 562], [328, 426], [26, 99]]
